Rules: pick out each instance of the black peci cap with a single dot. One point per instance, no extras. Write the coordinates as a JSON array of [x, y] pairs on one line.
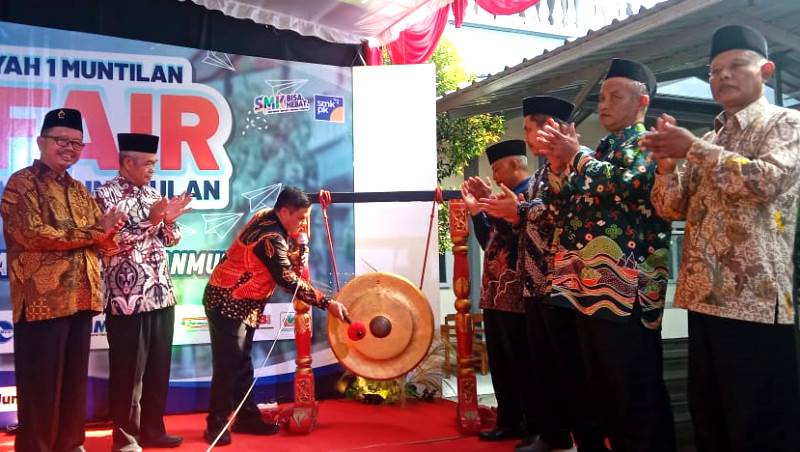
[[547, 105], [137, 142], [505, 149], [738, 37], [63, 117], [633, 70]]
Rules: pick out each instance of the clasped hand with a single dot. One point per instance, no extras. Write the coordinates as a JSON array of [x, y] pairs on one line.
[[559, 143], [113, 220], [473, 189], [668, 142], [169, 209], [502, 205]]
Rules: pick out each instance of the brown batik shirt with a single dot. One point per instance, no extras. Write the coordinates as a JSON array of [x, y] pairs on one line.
[[738, 192], [50, 223]]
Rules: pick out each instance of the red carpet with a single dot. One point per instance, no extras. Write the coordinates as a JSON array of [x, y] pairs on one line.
[[341, 426]]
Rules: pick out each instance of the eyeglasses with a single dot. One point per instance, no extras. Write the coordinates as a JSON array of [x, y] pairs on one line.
[[63, 142]]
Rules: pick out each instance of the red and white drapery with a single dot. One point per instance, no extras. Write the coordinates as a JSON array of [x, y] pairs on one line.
[[409, 30], [505, 7], [417, 42]]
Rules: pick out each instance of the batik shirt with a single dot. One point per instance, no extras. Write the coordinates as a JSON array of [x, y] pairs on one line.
[[51, 231], [136, 275], [256, 262], [796, 261], [612, 248], [738, 192], [501, 288], [535, 230]]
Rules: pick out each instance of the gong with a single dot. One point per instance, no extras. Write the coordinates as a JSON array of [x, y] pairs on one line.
[[399, 326]]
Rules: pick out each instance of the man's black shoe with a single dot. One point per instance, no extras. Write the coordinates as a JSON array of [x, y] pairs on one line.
[[224, 440], [500, 434], [591, 443], [529, 439], [163, 442], [257, 427], [543, 446]]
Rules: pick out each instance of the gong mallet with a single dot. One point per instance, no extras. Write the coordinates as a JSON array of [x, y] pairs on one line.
[[356, 331]]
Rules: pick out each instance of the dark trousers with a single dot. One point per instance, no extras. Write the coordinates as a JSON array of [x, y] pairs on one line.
[[564, 402], [624, 365], [231, 344], [743, 392], [509, 366], [140, 353], [51, 361]]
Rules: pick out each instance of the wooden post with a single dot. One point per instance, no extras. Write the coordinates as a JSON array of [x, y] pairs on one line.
[[304, 410], [467, 416]]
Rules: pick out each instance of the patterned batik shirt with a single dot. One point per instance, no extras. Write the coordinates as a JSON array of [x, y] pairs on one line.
[[796, 261], [536, 230], [136, 275], [738, 192], [501, 289], [256, 262], [51, 231], [612, 248]]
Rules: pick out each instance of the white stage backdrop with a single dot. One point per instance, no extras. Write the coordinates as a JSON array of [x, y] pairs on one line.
[[394, 149]]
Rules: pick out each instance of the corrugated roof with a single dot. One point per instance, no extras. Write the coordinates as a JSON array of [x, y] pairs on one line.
[[672, 38]]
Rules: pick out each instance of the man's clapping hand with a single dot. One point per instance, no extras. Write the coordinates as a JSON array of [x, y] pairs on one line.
[[168, 210], [113, 220]]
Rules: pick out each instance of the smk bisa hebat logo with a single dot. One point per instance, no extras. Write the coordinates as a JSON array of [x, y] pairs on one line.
[[284, 98]]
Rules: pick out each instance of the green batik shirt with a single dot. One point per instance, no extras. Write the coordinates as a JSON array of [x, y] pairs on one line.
[[611, 250]]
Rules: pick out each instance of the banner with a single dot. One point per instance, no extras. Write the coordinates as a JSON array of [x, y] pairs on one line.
[[234, 129]]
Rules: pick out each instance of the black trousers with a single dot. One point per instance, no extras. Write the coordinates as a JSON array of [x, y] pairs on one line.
[[231, 344], [140, 353], [51, 361], [743, 392], [564, 402], [510, 368], [624, 364]]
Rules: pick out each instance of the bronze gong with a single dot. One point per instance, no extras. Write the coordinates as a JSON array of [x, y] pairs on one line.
[[399, 326]]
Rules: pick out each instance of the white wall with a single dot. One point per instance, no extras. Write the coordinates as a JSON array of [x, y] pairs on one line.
[[394, 149]]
